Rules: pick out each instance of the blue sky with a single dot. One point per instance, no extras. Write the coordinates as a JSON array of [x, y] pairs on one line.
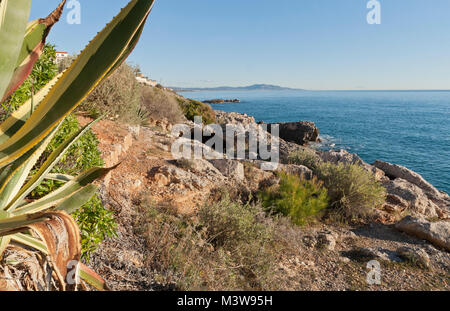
[[310, 44]]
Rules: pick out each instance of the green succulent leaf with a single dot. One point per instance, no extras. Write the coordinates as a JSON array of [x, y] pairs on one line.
[[32, 48], [13, 22], [59, 177], [30, 241], [92, 278], [56, 197], [77, 200], [45, 169], [14, 176], [102, 54], [18, 117]]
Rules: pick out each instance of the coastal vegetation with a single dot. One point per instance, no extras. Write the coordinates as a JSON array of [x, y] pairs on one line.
[[303, 201], [192, 108], [229, 246], [354, 193], [122, 98]]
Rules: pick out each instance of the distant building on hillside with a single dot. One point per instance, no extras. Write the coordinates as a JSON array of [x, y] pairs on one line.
[[60, 56], [144, 80]]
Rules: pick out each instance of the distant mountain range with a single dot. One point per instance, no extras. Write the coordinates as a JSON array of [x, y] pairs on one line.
[[255, 87]]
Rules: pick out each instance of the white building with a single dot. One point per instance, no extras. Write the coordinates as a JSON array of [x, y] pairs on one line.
[[144, 80], [61, 55]]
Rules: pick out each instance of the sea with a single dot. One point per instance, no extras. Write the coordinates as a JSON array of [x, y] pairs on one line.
[[409, 128]]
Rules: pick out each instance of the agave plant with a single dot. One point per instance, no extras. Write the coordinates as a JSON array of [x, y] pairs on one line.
[[45, 224]]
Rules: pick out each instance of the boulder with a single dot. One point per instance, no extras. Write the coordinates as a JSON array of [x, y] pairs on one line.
[[415, 255], [300, 133], [438, 233], [297, 170], [327, 241], [341, 156], [394, 171], [230, 168], [379, 254], [404, 193]]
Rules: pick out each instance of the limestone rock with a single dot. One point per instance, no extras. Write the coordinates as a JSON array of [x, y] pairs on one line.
[[397, 171], [327, 241], [223, 117], [341, 156], [230, 168], [415, 254], [297, 170], [380, 254], [438, 233], [411, 195]]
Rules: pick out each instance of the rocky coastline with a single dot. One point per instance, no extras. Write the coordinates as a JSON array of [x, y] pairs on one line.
[[221, 101], [413, 223]]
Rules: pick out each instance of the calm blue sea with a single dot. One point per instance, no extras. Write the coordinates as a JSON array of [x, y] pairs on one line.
[[404, 127]]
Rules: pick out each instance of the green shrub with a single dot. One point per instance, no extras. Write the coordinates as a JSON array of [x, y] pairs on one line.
[[193, 108], [43, 72], [353, 191], [301, 200], [96, 223], [305, 157]]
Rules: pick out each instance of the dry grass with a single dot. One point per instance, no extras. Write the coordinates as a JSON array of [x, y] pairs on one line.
[[161, 104], [228, 246], [118, 98]]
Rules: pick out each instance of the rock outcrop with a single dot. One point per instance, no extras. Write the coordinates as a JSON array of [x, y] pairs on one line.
[[221, 101], [223, 117], [300, 133], [438, 233], [298, 170], [394, 171], [415, 198], [230, 168]]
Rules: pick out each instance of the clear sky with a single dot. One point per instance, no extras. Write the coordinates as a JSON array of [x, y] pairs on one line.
[[310, 44]]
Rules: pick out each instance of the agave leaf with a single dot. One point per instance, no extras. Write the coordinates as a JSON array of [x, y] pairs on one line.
[[32, 47], [18, 117], [77, 200], [14, 224], [13, 22], [92, 278], [30, 241], [59, 177], [14, 176], [56, 197], [4, 241], [45, 169], [89, 69]]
